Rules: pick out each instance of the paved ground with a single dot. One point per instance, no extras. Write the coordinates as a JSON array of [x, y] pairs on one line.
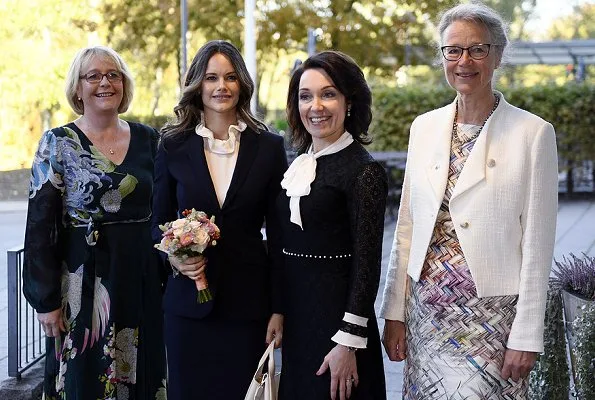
[[575, 233], [12, 229], [393, 371]]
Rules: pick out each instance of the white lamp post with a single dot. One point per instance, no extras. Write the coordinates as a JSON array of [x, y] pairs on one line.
[[183, 29], [250, 47]]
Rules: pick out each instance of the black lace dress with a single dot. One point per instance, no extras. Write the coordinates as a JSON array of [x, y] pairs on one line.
[[343, 215], [109, 288]]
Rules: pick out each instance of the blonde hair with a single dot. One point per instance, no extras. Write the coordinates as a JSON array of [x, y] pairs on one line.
[[82, 58]]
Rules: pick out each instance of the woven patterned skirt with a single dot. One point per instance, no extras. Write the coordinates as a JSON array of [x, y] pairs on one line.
[[456, 341]]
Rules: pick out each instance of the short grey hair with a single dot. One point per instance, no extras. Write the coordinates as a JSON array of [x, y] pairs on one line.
[[81, 59], [480, 14]]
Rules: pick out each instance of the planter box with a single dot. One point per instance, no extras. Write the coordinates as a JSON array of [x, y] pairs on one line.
[[573, 308]]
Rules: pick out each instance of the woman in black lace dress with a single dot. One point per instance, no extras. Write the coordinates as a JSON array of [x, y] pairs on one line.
[[90, 270], [333, 207]]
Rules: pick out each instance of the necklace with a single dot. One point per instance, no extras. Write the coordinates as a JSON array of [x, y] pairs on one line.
[[455, 130], [85, 128]]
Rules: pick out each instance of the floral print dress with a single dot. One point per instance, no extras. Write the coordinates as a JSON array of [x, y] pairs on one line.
[[89, 252]]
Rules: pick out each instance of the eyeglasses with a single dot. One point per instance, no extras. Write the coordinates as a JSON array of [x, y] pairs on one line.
[[476, 52], [96, 77]]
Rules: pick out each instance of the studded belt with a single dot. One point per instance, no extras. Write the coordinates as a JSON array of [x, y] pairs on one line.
[[333, 256]]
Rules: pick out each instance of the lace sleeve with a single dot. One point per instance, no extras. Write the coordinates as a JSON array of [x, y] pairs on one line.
[[367, 202], [41, 267]]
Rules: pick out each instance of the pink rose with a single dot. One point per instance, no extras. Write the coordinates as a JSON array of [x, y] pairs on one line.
[[186, 239]]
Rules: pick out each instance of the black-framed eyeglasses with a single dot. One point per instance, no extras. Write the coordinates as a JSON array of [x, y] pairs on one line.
[[96, 77], [476, 52]]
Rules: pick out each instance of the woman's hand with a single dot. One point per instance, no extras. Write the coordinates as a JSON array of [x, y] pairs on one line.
[[517, 364], [192, 267], [343, 368], [52, 322], [275, 330], [394, 341]]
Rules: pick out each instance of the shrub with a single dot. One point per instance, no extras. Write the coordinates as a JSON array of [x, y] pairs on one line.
[[584, 326], [568, 108], [394, 109], [549, 378]]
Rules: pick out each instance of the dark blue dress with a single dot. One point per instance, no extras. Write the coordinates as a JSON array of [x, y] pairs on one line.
[[109, 288], [342, 215]]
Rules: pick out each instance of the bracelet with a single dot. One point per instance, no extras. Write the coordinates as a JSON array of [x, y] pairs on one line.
[[351, 349]]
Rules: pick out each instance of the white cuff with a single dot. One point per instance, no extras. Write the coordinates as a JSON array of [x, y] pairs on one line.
[[355, 319], [349, 340]]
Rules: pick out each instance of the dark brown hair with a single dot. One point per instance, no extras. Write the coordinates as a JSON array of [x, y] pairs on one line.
[[349, 79], [189, 108]]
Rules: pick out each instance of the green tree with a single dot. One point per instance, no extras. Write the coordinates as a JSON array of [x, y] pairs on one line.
[[39, 39], [517, 13], [377, 34], [578, 25], [370, 31]]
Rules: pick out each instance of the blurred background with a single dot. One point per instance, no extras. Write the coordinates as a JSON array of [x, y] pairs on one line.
[[550, 72], [394, 42]]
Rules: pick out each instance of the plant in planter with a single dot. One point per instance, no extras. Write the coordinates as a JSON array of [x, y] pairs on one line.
[[574, 277], [549, 378], [584, 327]]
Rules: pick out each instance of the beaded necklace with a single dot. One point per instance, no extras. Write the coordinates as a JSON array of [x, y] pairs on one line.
[[455, 130]]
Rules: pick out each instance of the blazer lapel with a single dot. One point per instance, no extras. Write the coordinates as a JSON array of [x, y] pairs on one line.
[[439, 156], [195, 152], [246, 155], [474, 170]]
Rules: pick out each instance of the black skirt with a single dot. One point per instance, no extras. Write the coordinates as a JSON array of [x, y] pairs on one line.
[[212, 358]]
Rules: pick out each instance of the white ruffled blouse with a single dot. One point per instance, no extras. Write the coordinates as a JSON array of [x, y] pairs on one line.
[[221, 156]]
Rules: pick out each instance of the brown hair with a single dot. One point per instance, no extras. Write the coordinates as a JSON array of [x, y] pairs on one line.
[[349, 79], [189, 108]]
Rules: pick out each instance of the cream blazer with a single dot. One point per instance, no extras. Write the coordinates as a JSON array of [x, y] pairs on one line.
[[503, 207]]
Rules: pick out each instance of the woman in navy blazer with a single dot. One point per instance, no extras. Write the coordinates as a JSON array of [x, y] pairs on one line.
[[218, 158]]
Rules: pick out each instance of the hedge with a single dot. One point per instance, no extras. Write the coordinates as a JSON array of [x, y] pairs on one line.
[[394, 109], [569, 108]]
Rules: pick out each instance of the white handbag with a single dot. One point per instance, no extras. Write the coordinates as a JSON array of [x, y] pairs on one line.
[[264, 386]]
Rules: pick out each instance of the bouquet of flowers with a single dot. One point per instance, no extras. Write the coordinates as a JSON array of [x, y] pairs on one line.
[[188, 237]]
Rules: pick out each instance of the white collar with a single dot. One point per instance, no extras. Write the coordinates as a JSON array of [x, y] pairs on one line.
[[219, 146], [302, 172]]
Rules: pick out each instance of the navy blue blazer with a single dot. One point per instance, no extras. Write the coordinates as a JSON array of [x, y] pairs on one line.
[[243, 276]]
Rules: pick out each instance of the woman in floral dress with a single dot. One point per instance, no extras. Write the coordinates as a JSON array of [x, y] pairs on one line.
[[90, 270]]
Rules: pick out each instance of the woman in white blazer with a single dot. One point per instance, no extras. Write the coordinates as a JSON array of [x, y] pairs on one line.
[[465, 293]]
